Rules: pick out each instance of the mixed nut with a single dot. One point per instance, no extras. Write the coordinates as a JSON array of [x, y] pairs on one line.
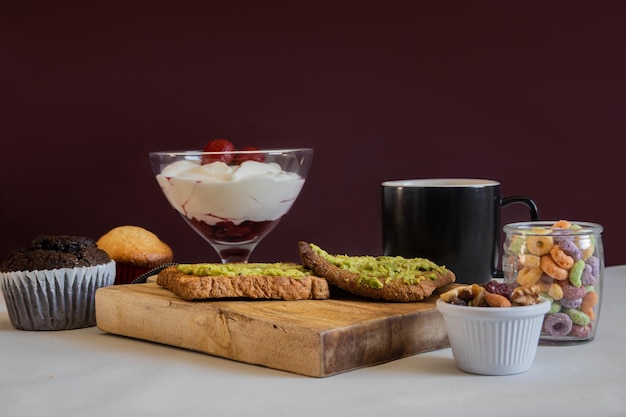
[[493, 294]]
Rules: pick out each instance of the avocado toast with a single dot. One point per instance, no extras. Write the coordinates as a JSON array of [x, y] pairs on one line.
[[389, 278], [280, 281]]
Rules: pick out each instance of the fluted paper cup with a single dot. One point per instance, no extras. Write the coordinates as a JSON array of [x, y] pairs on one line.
[[54, 299], [493, 340]]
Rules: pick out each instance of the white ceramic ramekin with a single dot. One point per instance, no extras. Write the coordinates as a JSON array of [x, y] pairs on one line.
[[493, 340]]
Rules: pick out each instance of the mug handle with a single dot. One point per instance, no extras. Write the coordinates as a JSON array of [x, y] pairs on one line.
[[532, 206], [534, 216]]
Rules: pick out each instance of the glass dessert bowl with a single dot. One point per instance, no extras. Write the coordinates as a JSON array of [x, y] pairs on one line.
[[233, 199]]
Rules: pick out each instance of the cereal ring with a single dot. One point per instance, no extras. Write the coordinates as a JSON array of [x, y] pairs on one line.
[[587, 245], [539, 245], [594, 262], [555, 307], [568, 246], [589, 301], [576, 273], [529, 260], [549, 267], [571, 303], [571, 292], [587, 276], [561, 258], [555, 291], [562, 224], [558, 324], [580, 331], [587, 253], [577, 316], [528, 275], [517, 245]]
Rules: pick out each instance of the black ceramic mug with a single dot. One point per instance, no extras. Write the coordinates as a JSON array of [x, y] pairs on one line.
[[451, 221]]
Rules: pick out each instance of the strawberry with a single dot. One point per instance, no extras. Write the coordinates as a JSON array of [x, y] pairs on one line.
[[259, 157], [218, 145]]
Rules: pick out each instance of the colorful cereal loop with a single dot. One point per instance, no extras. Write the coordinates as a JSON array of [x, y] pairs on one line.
[[539, 245], [576, 273], [550, 268]]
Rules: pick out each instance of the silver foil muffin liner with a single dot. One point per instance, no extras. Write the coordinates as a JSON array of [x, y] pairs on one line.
[[54, 299]]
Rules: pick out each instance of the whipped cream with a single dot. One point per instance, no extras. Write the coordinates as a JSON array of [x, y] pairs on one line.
[[217, 192]]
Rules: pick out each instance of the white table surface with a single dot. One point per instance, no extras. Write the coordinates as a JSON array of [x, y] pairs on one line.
[[88, 372]]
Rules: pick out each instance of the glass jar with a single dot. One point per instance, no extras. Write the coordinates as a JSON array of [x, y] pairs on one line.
[[566, 261]]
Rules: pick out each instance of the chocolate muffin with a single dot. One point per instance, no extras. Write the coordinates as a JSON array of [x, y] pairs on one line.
[[51, 284], [53, 252]]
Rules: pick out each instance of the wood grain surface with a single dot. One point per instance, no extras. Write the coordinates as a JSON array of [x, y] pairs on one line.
[[316, 338]]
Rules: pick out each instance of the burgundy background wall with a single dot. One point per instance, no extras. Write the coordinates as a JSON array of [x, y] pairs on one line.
[[530, 94]]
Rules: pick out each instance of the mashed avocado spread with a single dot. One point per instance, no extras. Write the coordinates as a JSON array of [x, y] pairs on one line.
[[373, 269], [278, 269]]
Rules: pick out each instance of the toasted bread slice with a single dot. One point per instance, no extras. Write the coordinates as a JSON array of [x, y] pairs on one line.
[[281, 281], [383, 278]]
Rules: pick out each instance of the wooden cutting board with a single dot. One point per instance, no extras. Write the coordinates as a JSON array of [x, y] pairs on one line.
[[317, 338]]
